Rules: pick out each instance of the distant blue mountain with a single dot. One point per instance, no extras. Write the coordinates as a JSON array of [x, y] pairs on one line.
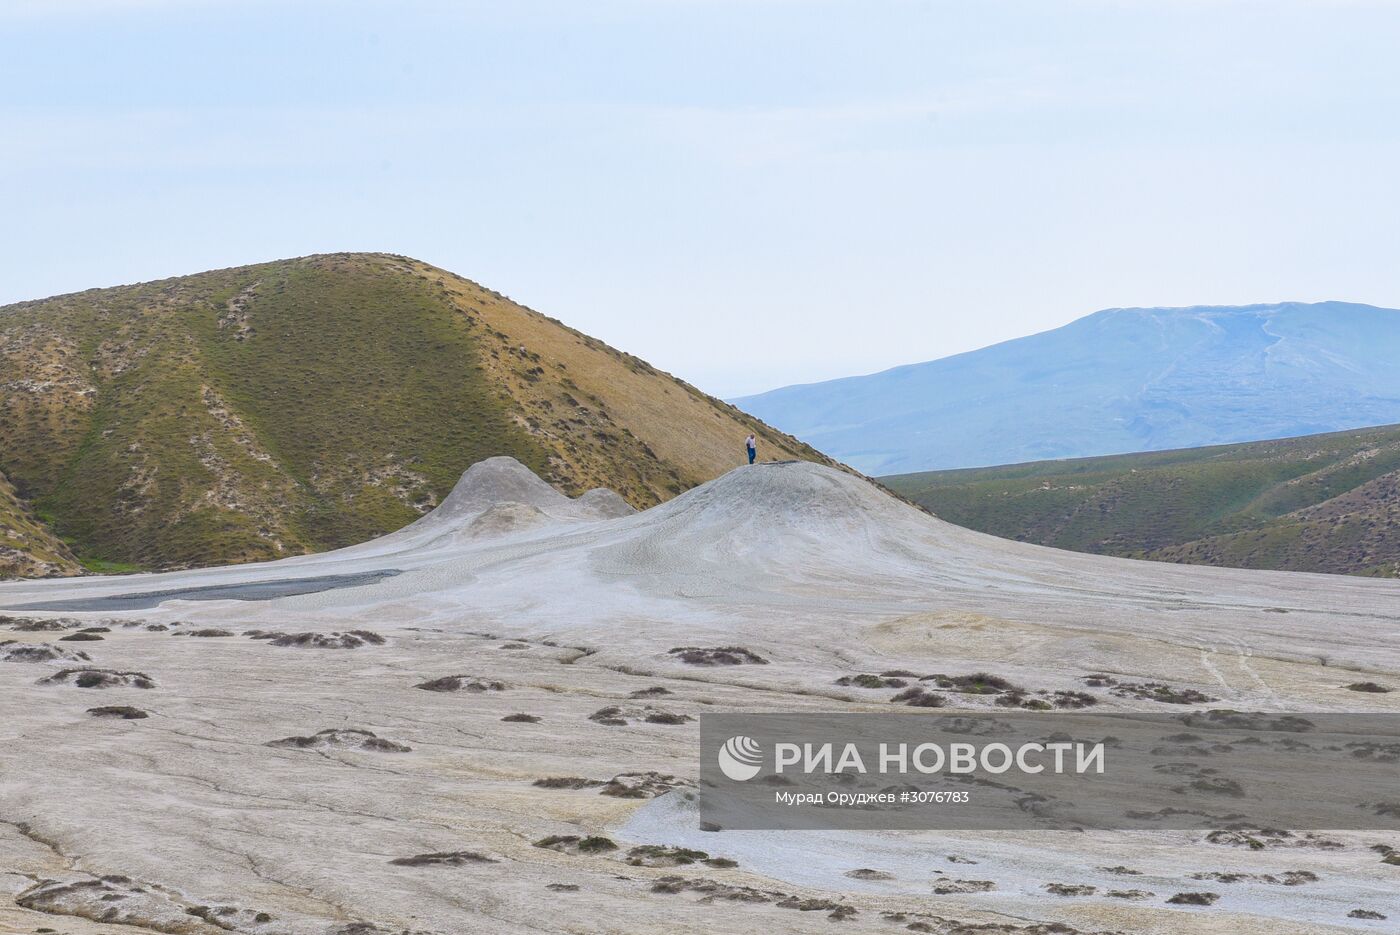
[[1120, 380]]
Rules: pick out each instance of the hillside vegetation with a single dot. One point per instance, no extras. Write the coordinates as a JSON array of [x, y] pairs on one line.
[[262, 411], [1326, 503], [27, 548]]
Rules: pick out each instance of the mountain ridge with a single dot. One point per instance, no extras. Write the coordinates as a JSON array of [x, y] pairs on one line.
[[1115, 381]]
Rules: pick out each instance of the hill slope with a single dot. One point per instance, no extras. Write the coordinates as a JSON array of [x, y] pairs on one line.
[[1328, 503], [1120, 380], [27, 548], [300, 405]]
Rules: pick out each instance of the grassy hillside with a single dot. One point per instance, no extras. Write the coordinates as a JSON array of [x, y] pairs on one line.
[[1327, 503], [306, 404], [27, 548]]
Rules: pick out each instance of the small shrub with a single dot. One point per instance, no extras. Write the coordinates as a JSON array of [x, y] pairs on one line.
[[1194, 899], [443, 859], [664, 717], [870, 681], [596, 844], [919, 698], [978, 683], [717, 656], [123, 711], [611, 716]]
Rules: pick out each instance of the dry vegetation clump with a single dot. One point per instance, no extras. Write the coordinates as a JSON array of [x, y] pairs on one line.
[[1019, 699], [917, 697], [1194, 899], [341, 738], [949, 887], [1370, 687], [15, 651], [461, 683], [621, 716], [666, 717], [566, 782], [352, 639], [836, 912], [865, 680], [1288, 878], [99, 678], [124, 711], [116, 899], [712, 890], [643, 785], [978, 683], [443, 859], [611, 716], [659, 855], [574, 844], [1157, 691], [29, 625], [522, 719], [717, 656]]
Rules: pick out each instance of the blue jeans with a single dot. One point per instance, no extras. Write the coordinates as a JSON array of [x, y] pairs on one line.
[[753, 453]]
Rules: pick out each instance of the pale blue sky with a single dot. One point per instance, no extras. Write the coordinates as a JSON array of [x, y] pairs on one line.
[[747, 194]]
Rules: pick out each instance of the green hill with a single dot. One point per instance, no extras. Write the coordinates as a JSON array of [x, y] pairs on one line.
[[27, 548], [1325, 503], [256, 412]]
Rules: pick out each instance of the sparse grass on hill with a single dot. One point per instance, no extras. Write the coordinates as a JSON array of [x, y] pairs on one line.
[[27, 548], [1324, 503], [261, 411]]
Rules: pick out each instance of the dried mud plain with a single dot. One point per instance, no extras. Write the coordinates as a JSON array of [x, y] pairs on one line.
[[486, 723]]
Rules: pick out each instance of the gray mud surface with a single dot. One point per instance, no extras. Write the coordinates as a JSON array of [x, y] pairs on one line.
[[245, 591]]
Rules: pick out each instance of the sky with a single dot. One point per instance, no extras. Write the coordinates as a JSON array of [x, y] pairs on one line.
[[747, 193]]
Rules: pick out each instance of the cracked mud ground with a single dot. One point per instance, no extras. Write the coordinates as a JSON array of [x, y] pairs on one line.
[[308, 789]]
